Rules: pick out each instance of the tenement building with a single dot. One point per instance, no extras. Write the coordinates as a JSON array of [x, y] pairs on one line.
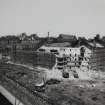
[[97, 60]]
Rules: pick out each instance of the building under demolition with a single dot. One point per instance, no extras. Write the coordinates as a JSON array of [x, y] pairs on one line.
[[83, 57], [64, 59]]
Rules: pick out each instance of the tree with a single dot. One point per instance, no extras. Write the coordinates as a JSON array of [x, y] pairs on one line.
[[97, 37], [23, 36]]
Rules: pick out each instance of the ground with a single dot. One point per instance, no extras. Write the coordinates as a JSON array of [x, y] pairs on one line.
[[71, 92], [78, 92]]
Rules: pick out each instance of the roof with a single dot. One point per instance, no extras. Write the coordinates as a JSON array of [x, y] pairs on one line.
[[90, 44], [67, 36], [96, 44], [27, 42], [64, 44]]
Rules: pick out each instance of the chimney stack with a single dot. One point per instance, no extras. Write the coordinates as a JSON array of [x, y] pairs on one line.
[[94, 43], [48, 35]]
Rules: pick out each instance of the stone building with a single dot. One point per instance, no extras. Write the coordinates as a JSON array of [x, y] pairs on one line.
[[66, 57], [97, 60]]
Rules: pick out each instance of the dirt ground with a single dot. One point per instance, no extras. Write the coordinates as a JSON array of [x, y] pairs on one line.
[[77, 92], [71, 92]]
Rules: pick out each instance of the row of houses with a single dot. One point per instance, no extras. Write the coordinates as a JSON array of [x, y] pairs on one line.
[[22, 42]]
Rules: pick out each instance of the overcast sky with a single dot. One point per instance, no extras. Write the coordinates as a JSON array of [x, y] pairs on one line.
[[80, 17]]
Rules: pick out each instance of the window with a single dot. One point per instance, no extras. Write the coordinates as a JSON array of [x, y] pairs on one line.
[[65, 59], [60, 59], [70, 49], [85, 59], [60, 68], [41, 49], [53, 50], [78, 66], [65, 63], [56, 53], [60, 64]]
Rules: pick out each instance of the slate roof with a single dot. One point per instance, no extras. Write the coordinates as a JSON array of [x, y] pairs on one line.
[[67, 37]]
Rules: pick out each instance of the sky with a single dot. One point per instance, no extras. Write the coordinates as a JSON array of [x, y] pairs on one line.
[[77, 17]]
